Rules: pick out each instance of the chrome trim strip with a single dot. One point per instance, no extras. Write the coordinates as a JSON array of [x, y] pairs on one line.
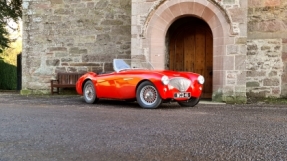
[[128, 79]]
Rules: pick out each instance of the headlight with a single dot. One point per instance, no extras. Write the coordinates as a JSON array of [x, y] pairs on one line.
[[165, 80], [200, 79]]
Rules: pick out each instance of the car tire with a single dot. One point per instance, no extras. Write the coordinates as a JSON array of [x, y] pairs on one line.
[[89, 93], [189, 103], [148, 96]]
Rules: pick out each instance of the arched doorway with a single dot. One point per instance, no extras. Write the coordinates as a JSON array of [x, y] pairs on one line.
[[151, 40], [190, 48]]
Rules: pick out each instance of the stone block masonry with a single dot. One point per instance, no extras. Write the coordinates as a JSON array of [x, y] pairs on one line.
[[267, 19], [249, 40], [284, 75], [264, 68], [72, 36], [267, 33]]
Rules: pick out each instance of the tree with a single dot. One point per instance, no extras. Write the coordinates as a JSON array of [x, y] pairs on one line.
[[10, 10]]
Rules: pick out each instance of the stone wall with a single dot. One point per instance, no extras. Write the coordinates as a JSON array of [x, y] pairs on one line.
[[267, 48], [72, 36], [234, 89], [85, 35], [264, 68], [267, 19], [284, 74]]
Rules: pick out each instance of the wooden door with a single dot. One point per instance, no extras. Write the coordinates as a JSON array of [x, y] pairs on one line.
[[190, 49]]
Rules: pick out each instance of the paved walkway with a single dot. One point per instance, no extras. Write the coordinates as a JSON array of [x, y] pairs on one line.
[[50, 128]]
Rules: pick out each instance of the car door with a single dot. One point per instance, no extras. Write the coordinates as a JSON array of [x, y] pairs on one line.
[[126, 85], [106, 86]]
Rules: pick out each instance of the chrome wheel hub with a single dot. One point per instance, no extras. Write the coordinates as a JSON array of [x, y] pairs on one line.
[[89, 92], [148, 95]]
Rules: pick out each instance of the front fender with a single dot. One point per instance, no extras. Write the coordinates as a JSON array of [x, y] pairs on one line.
[[161, 88]]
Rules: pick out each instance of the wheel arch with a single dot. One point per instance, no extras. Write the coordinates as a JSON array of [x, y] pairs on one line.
[[157, 84], [140, 82], [84, 82]]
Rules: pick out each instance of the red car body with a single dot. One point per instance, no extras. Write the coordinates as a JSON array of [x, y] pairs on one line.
[[123, 85]]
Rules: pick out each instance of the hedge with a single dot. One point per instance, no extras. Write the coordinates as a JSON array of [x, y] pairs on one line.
[[8, 76]]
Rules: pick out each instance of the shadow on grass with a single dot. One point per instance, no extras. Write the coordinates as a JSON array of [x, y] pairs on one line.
[[8, 75]]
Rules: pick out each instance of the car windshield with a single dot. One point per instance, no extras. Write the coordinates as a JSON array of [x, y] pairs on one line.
[[131, 64]]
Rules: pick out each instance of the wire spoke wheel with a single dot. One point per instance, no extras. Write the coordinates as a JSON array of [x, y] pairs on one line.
[[90, 92], [148, 96]]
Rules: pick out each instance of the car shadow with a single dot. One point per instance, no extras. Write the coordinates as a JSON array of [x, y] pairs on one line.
[[133, 104]]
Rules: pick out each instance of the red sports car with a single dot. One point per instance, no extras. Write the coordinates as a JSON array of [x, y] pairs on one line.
[[137, 80]]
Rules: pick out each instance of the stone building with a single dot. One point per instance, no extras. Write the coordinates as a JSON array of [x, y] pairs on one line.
[[240, 46]]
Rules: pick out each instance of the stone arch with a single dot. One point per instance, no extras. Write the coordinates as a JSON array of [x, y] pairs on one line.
[[168, 11], [157, 5]]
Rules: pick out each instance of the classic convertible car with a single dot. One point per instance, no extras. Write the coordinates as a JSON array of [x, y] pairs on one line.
[[137, 80]]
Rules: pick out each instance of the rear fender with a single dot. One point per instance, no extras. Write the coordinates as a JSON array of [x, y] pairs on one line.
[[82, 80]]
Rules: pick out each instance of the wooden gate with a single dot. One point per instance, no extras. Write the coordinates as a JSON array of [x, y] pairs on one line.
[[191, 49]]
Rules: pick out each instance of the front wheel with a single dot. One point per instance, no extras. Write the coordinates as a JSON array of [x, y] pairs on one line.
[[148, 96], [189, 103], [90, 92]]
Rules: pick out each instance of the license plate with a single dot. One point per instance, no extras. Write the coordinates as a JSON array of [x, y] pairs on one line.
[[182, 95]]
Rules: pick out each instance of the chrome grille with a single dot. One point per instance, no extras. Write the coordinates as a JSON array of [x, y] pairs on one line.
[[180, 83]]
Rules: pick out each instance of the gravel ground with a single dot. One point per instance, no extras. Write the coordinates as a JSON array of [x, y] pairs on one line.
[[52, 128]]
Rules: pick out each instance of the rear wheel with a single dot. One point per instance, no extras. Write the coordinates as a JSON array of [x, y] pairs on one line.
[[148, 96], [189, 103], [90, 92]]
